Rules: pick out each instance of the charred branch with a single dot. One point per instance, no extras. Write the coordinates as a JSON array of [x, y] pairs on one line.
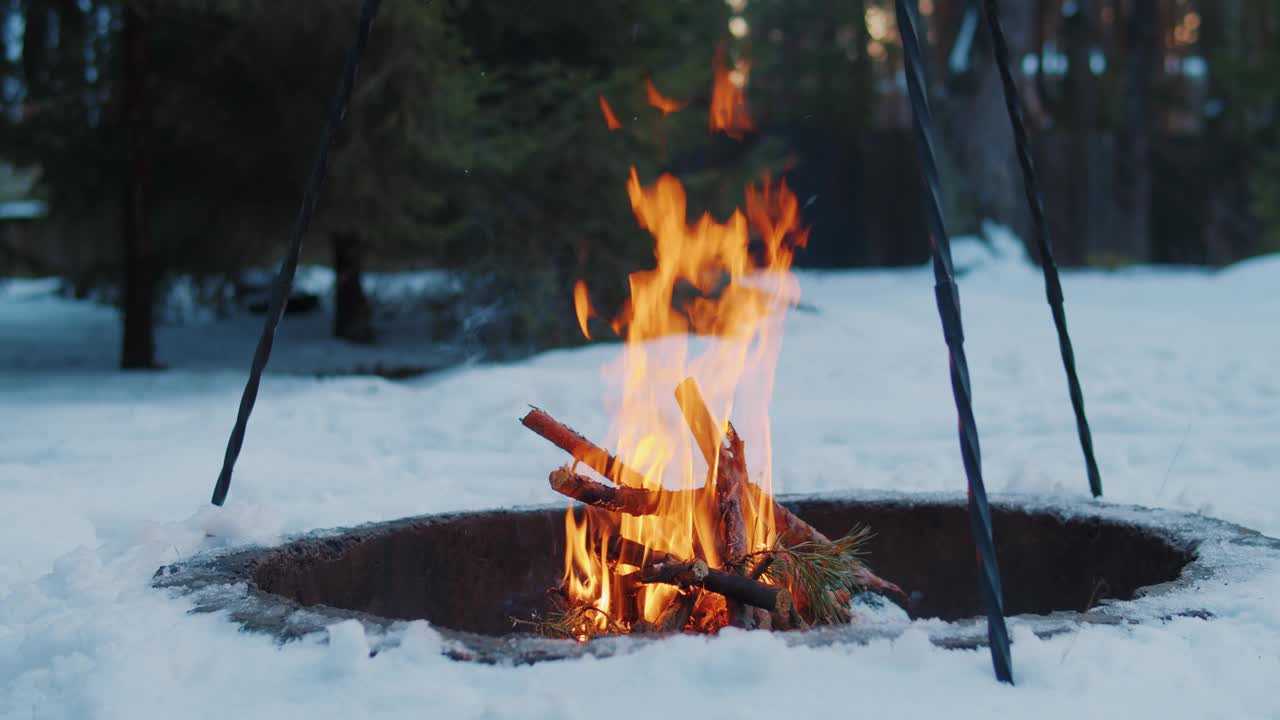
[[747, 591], [685, 574], [582, 449], [706, 432], [731, 480], [741, 588], [626, 500], [630, 552]]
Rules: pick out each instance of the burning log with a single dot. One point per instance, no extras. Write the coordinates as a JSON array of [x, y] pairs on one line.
[[731, 479], [582, 449], [628, 500], [761, 619], [630, 552], [756, 592], [706, 433], [791, 527], [730, 485], [747, 591], [684, 574], [675, 616], [741, 588]]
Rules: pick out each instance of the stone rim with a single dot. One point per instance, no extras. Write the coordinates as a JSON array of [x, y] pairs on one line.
[[222, 581]]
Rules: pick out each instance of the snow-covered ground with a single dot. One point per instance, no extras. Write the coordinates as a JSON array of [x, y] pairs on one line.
[[104, 476], [40, 330]]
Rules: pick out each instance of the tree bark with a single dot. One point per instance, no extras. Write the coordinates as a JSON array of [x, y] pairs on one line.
[[626, 500], [582, 449], [979, 141], [1080, 117], [138, 290], [352, 319], [35, 39], [1230, 232], [1133, 156]]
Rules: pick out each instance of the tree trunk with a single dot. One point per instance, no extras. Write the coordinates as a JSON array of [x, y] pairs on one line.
[[1080, 115], [352, 319], [35, 43], [138, 348], [987, 183], [1133, 172], [1230, 232]]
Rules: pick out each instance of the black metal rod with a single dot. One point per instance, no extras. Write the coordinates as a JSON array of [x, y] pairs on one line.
[[948, 299], [1035, 200], [283, 284]]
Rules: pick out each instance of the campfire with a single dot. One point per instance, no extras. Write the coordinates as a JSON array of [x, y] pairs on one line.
[[679, 533]]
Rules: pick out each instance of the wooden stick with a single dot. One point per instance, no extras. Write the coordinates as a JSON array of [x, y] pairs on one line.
[[632, 501], [748, 591], [762, 619], [674, 617], [731, 478], [629, 589], [627, 500], [733, 482], [582, 449], [731, 473], [677, 613], [685, 574], [705, 429], [630, 552], [738, 587]]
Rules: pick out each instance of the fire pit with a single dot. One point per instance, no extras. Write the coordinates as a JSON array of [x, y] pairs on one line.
[[679, 531], [1066, 563]]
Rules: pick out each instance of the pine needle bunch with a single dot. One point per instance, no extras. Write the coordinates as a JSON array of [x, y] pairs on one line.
[[577, 622], [817, 572]]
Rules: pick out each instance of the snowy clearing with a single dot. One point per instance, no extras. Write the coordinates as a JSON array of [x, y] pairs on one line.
[[104, 476]]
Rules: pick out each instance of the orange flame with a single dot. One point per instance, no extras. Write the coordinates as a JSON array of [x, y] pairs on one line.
[[728, 101], [656, 99], [707, 282], [582, 306], [609, 118]]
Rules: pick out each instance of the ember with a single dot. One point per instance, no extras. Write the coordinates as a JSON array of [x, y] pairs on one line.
[[683, 536]]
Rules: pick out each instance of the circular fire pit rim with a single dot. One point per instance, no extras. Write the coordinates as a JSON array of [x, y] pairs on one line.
[[221, 579]]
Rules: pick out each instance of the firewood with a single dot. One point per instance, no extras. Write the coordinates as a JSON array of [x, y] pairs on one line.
[[780, 621], [685, 574], [731, 585], [731, 477], [582, 449], [630, 552], [706, 432], [762, 619], [632, 501], [749, 602], [748, 591], [676, 615], [730, 484], [797, 621], [629, 586], [626, 500]]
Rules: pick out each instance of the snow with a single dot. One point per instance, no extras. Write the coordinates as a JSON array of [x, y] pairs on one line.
[[40, 330], [104, 476]]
